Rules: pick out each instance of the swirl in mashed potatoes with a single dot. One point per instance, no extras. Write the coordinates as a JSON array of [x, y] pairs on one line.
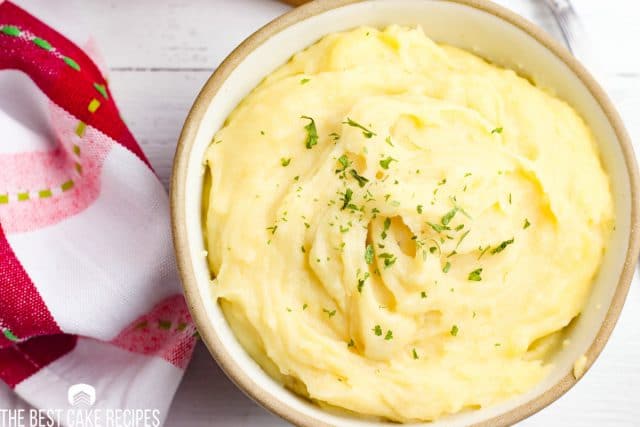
[[401, 229]]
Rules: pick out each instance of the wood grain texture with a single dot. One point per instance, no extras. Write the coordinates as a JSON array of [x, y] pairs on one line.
[[160, 52]]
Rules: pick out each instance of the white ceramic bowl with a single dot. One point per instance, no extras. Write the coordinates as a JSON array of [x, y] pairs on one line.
[[476, 25]]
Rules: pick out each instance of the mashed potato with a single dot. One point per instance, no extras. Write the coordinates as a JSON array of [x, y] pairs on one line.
[[400, 229]]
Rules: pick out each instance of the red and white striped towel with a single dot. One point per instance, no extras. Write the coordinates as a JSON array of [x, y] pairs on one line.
[[88, 286]]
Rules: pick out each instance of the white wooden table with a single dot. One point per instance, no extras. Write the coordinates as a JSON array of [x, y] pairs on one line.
[[160, 52]]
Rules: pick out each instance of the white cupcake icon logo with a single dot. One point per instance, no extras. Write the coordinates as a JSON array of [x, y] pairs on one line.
[[81, 395]]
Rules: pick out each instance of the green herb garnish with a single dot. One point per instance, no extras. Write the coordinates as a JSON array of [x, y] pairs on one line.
[[437, 227], [344, 162], [414, 353], [384, 163], [437, 245], [446, 267], [389, 335], [497, 130], [461, 239], [387, 224], [351, 343], [389, 259], [455, 205], [482, 251], [502, 246], [423, 294], [285, 162], [273, 229], [361, 281], [526, 224], [454, 330], [312, 132], [377, 330], [362, 181], [474, 276], [366, 132], [346, 199], [419, 209], [368, 254], [330, 313], [449, 216], [304, 81]]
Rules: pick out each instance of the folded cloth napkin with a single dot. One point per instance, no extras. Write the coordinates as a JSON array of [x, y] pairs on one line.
[[88, 287]]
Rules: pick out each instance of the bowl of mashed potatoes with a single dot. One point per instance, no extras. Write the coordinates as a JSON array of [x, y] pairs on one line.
[[404, 211]]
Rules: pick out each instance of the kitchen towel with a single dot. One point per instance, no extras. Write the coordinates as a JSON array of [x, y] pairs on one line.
[[91, 313]]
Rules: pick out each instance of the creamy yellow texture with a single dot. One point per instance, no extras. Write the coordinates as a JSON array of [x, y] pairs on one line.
[[425, 254], [579, 367]]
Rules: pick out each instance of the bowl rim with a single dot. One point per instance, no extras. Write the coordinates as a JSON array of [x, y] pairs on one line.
[[184, 258]]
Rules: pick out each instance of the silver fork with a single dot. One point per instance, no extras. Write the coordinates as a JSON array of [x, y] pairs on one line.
[[571, 27]]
